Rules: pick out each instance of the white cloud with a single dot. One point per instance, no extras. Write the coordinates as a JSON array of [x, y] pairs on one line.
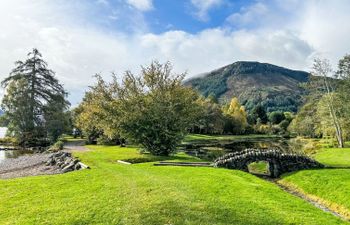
[[77, 50], [142, 5], [325, 25], [212, 48], [203, 6], [251, 14]]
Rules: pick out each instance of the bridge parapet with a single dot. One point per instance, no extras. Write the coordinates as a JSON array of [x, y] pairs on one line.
[[279, 162]]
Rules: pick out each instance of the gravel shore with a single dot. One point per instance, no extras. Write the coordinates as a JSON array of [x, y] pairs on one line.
[[27, 165]]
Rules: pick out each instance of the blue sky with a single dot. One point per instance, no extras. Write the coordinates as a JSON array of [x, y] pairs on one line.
[[160, 16], [79, 38]]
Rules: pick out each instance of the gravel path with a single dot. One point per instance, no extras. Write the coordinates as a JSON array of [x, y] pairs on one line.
[[75, 146], [27, 165]]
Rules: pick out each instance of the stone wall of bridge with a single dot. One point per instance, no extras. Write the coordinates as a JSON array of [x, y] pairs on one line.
[[279, 162]]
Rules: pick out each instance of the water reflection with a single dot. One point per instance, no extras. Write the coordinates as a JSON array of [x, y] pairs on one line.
[[211, 151], [12, 154]]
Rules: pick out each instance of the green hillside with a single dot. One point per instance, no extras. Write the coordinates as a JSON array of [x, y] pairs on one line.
[[277, 88]]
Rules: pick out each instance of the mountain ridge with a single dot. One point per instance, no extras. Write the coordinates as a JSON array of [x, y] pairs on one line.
[[275, 87]]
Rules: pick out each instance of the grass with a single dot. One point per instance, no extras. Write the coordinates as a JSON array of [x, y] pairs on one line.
[[328, 186], [337, 157], [260, 167], [70, 138], [112, 193]]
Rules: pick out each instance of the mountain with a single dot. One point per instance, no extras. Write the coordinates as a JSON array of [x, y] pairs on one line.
[[276, 88]]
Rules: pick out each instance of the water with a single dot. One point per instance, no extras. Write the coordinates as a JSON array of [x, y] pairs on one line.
[[212, 150], [7, 154], [3, 132]]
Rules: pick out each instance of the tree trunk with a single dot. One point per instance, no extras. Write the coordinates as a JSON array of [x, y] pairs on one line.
[[336, 124]]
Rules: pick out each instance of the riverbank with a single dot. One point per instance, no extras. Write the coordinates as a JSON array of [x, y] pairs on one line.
[[27, 165]]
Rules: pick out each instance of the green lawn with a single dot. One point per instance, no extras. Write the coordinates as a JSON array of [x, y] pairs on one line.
[[335, 157], [70, 138], [113, 193], [329, 186], [259, 168]]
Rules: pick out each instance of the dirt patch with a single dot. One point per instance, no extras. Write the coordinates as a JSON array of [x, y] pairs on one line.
[[73, 146]]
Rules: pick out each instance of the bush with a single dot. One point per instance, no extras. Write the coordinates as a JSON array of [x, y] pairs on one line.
[[276, 117], [104, 140], [8, 140], [284, 124], [262, 129], [57, 146]]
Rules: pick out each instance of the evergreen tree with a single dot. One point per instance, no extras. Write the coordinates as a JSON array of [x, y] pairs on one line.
[[32, 91], [260, 113]]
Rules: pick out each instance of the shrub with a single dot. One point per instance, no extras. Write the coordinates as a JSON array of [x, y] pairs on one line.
[[284, 124], [276, 117], [8, 140], [57, 146]]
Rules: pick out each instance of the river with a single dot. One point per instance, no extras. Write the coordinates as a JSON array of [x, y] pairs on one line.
[[9, 153]]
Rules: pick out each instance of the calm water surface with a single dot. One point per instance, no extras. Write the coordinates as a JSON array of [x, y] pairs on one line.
[[211, 151], [10, 153]]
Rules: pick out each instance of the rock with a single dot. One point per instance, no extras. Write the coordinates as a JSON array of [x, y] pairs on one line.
[[64, 161]]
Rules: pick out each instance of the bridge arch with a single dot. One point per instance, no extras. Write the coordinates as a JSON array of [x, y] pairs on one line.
[[279, 162]]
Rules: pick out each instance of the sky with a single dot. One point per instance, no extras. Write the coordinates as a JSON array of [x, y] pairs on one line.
[[79, 38]]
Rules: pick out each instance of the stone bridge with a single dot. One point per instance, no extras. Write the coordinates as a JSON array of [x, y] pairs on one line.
[[279, 162]]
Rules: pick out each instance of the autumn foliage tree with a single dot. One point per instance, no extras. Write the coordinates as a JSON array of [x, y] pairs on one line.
[[236, 117]]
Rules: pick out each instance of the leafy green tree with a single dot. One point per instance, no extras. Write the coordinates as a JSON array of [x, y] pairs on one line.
[[3, 121], [155, 109], [325, 125], [57, 120], [305, 122], [31, 89], [343, 93], [322, 68], [94, 116], [260, 113], [276, 117], [211, 119]]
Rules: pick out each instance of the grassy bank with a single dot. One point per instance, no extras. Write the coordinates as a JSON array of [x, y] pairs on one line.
[[113, 193], [328, 186]]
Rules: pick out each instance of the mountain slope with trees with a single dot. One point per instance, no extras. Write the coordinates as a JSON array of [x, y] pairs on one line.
[[276, 88]]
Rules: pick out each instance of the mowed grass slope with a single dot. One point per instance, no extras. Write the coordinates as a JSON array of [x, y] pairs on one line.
[[113, 193], [329, 186]]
